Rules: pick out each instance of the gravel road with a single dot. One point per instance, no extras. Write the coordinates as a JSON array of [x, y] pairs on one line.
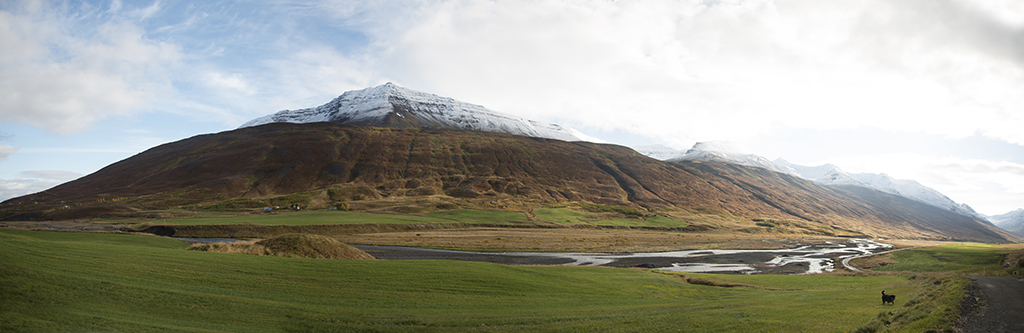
[[1002, 298]]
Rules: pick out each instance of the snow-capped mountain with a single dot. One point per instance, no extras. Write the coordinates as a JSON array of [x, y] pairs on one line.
[[726, 152], [1012, 221], [389, 105], [660, 152], [826, 174], [829, 174]]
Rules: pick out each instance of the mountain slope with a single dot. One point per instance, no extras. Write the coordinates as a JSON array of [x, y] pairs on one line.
[[389, 105], [1012, 222], [391, 165], [829, 174]]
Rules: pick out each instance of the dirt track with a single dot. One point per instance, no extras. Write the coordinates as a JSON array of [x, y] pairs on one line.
[[1002, 300]]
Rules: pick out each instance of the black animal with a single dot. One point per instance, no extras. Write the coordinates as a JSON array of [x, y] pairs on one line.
[[888, 298]]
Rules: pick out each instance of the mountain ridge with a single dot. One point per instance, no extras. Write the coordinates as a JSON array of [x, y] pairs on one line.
[[389, 105], [826, 174], [413, 170], [1011, 221]]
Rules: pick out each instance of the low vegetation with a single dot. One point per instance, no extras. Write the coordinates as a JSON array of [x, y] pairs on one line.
[[58, 281], [933, 307], [76, 281], [967, 258], [292, 246], [467, 216], [936, 304], [605, 216]]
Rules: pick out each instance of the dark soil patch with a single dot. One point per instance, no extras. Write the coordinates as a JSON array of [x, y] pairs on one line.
[[997, 305]]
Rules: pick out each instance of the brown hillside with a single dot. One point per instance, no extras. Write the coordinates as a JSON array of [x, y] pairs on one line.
[[269, 161]]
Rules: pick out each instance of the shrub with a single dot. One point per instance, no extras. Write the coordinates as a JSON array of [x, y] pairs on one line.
[[766, 223], [300, 199], [291, 245], [335, 194]]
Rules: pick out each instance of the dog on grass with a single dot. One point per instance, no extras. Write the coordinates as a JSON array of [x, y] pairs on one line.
[[888, 298]]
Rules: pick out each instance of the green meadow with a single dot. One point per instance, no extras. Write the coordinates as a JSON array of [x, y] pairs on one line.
[[964, 257], [571, 216], [468, 216], [465, 216], [52, 281]]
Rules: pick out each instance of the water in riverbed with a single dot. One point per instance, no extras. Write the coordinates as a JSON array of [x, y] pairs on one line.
[[804, 259]]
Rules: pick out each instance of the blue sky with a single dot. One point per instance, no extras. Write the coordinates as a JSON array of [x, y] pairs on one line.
[[928, 90]]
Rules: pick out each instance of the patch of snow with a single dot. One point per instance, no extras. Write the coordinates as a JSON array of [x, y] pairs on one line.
[[584, 137], [1012, 221], [727, 152], [660, 152], [829, 174], [371, 106]]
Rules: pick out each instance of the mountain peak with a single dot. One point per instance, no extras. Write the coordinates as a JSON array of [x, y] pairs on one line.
[[726, 147], [724, 151], [389, 105], [1011, 221]]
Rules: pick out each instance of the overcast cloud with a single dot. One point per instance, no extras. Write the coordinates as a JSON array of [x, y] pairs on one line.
[[668, 69]]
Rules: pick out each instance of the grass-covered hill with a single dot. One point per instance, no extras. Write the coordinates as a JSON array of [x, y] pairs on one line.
[[365, 168]]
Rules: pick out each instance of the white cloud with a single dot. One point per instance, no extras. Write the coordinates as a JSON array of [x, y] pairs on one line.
[[313, 76], [6, 151], [234, 81], [34, 181], [63, 76], [144, 13], [59, 175], [724, 70], [10, 188]]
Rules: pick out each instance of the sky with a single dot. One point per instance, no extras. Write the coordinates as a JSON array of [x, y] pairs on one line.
[[928, 90]]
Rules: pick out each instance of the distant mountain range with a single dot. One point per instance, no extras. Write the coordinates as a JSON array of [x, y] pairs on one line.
[[389, 105], [1012, 221], [826, 174]]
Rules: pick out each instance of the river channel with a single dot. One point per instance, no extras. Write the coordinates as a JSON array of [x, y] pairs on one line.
[[799, 260]]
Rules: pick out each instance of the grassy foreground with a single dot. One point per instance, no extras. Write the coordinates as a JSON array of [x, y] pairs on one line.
[[963, 257], [468, 216], [465, 216], [53, 281]]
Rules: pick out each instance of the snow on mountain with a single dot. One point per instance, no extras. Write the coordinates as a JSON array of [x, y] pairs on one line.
[[826, 174], [660, 152], [389, 105], [1012, 221], [726, 152], [829, 174], [914, 190]]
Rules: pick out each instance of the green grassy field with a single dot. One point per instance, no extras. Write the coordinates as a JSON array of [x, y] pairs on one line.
[[571, 216], [52, 281], [469, 216], [964, 257], [560, 215]]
